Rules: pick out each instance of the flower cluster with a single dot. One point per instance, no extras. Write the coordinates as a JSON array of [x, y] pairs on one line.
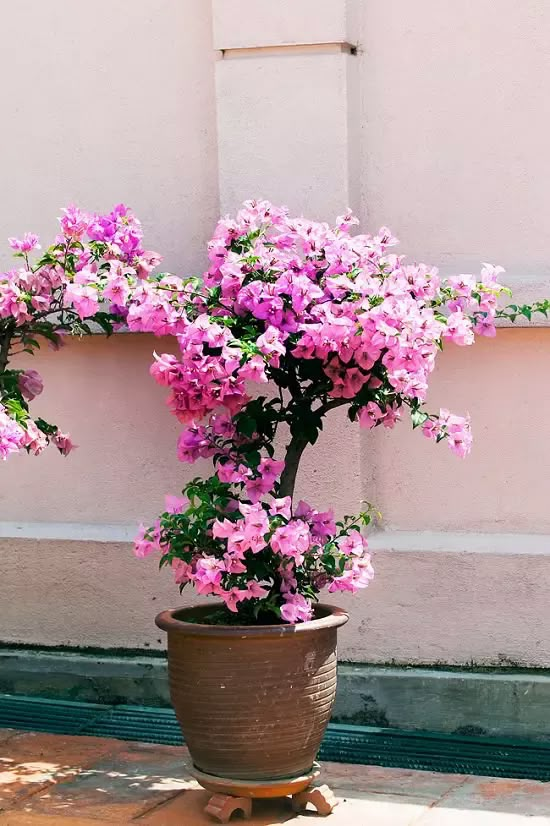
[[330, 319], [87, 276], [337, 316], [261, 557]]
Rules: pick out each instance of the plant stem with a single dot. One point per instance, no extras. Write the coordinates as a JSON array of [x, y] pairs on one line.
[[295, 449], [5, 347], [294, 452]]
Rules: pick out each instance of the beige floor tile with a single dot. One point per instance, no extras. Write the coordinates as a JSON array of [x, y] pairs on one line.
[[118, 787], [31, 762]]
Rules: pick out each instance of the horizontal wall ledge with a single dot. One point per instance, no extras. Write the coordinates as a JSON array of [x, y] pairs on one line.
[[461, 542], [68, 531], [443, 599], [282, 49], [499, 703], [399, 541], [526, 289]]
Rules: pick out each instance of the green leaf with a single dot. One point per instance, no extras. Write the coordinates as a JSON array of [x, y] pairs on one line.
[[105, 322], [246, 425], [418, 417]]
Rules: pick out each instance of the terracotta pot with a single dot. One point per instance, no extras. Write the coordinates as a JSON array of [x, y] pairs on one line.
[[253, 702]]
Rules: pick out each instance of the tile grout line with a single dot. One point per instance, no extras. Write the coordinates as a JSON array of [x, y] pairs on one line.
[[159, 805], [444, 796], [19, 806]]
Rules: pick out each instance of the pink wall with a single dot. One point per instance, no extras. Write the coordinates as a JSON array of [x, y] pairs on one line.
[[117, 104], [503, 485], [100, 390], [436, 127], [454, 112]]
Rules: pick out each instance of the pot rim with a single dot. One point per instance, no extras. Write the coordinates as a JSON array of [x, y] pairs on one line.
[[332, 617]]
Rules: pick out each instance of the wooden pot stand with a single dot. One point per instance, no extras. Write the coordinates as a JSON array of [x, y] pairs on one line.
[[232, 796]]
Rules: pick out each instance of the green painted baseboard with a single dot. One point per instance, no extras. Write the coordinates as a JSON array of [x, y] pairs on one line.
[[368, 745], [494, 703]]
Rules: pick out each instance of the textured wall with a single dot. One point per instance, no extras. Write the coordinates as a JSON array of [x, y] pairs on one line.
[[110, 102], [454, 116], [437, 127]]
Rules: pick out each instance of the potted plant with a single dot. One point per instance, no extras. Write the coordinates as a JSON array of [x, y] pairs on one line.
[[83, 280], [322, 319]]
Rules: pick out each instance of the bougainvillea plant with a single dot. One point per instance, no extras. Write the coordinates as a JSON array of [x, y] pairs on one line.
[[328, 320], [84, 278]]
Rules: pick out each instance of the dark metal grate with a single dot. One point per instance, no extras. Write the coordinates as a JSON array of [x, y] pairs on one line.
[[148, 725], [55, 716], [493, 757]]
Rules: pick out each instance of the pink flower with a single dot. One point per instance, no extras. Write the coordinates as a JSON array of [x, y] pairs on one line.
[[224, 529], [271, 344], [288, 580], [347, 220], [281, 507], [233, 564], [370, 415], [28, 243], [222, 425], [391, 417], [254, 370], [83, 299], [165, 369], [359, 575], [35, 441], [183, 571], [12, 436], [30, 384], [175, 504], [117, 290], [296, 608], [323, 524], [459, 435], [255, 590], [292, 540], [144, 544], [353, 544], [74, 222], [431, 429], [304, 511], [270, 468], [256, 488], [231, 473], [63, 443], [459, 329], [485, 327], [456, 429], [233, 597], [208, 574], [147, 262]]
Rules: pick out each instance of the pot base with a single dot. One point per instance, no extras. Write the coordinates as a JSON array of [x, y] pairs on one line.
[[230, 795]]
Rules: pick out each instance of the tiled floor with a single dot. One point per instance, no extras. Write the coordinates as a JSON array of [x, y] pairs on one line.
[[49, 780]]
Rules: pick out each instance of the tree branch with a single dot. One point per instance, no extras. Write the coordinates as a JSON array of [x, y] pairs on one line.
[[5, 347], [331, 405], [296, 447], [293, 455]]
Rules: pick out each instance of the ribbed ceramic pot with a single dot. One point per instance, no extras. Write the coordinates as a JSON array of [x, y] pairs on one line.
[[253, 702]]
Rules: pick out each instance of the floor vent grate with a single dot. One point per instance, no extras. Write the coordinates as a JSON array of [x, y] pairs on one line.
[[493, 757]]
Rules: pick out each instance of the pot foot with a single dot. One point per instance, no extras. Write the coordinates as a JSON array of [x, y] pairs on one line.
[[222, 807], [319, 796]]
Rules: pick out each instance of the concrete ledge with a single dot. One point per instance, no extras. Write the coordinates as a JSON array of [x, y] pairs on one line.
[[398, 541], [493, 703], [91, 678]]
